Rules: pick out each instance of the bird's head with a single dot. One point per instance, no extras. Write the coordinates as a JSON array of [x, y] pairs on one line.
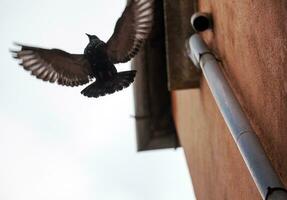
[[92, 37]]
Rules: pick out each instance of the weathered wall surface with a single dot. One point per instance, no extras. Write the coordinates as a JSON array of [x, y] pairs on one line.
[[251, 39]]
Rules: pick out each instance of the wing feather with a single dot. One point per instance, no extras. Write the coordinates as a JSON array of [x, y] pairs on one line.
[[54, 65], [131, 30]]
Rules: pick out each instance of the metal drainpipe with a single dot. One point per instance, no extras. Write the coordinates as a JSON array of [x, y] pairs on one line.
[[260, 168]]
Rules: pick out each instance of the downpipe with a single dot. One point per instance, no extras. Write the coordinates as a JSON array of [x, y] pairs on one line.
[[259, 166]]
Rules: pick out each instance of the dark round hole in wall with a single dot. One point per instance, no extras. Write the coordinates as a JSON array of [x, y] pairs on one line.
[[201, 23]]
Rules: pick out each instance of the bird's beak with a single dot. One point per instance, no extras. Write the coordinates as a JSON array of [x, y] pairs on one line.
[[88, 35]]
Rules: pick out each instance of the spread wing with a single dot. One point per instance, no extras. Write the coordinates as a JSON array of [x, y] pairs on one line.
[[131, 30], [54, 65]]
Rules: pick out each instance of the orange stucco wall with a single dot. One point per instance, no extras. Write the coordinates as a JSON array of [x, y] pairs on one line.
[[250, 37]]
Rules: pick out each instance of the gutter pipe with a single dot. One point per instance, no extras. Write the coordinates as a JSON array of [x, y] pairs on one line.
[[259, 166]]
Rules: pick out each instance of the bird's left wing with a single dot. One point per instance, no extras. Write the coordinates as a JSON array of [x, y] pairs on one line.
[[131, 30], [54, 65]]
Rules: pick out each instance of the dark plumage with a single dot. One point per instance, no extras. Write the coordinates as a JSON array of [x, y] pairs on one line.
[[55, 65]]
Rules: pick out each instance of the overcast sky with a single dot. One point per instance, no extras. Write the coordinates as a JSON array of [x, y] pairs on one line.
[[56, 144]]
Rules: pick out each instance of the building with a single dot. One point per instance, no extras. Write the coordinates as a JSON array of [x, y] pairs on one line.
[[250, 39]]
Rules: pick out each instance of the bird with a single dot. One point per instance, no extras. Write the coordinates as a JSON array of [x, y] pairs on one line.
[[97, 63]]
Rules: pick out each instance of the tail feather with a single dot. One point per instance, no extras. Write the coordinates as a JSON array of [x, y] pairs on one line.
[[100, 88]]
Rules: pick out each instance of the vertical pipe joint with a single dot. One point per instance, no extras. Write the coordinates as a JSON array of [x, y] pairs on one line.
[[276, 193]]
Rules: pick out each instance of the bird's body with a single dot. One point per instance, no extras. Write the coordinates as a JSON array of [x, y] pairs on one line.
[[96, 54], [108, 80], [55, 65]]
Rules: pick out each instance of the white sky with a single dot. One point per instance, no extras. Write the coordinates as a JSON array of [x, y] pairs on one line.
[[57, 144]]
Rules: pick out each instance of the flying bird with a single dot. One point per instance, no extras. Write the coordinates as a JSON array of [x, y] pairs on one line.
[[98, 59]]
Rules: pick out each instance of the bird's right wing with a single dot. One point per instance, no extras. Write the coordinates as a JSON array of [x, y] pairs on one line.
[[131, 30], [55, 65]]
